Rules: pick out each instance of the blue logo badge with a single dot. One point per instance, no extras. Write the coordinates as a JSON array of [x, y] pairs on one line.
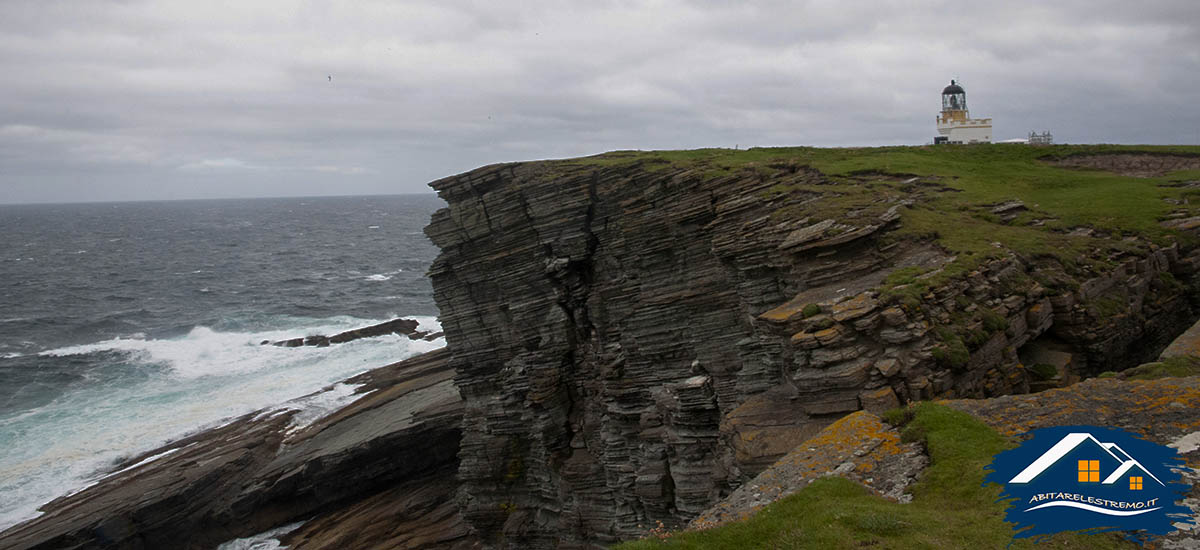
[[1074, 478]]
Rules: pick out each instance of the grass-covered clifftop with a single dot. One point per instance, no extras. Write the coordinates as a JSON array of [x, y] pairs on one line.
[[1115, 191]]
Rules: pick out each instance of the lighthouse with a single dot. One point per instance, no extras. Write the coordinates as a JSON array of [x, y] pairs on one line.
[[955, 123]]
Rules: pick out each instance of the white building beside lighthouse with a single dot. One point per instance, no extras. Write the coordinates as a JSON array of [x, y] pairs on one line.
[[955, 123]]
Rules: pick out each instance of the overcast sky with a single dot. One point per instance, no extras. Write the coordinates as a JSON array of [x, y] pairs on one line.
[[128, 100]]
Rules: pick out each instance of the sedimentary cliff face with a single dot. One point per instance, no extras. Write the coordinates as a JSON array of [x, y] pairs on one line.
[[634, 340]]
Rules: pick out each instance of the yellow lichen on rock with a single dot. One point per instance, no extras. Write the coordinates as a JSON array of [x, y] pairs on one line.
[[860, 446]]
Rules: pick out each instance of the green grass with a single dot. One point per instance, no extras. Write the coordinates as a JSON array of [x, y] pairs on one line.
[[1174, 367], [1109, 306], [1043, 371], [950, 508], [952, 351], [976, 176]]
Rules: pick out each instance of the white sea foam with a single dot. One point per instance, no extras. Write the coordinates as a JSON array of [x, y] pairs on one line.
[[312, 407], [146, 460], [268, 540], [179, 385], [384, 276]]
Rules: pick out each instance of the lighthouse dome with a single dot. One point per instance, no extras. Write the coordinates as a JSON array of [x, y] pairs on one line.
[[953, 88]]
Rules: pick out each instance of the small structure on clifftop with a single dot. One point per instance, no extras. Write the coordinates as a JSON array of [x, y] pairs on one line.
[[1043, 138], [955, 123]]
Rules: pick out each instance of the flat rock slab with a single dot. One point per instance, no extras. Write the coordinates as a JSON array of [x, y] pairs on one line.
[[1186, 345]]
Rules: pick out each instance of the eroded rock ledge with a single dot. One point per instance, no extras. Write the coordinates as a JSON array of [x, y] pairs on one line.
[[634, 342]]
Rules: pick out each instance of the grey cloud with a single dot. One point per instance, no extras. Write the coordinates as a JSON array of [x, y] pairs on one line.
[[126, 100]]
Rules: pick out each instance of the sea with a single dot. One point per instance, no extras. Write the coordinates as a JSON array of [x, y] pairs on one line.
[[126, 325]]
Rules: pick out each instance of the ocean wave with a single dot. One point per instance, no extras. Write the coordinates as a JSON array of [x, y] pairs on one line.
[[212, 377], [204, 351]]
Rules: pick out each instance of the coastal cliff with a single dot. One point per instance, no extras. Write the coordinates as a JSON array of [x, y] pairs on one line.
[[636, 334], [640, 342]]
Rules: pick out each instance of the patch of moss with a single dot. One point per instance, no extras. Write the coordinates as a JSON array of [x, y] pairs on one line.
[[1169, 282], [1108, 306], [1043, 371], [913, 433], [822, 324], [907, 296], [899, 416], [810, 310], [952, 351], [904, 276], [992, 321], [1174, 367], [951, 508]]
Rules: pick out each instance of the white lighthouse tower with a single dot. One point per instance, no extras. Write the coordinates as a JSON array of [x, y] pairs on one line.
[[955, 123]]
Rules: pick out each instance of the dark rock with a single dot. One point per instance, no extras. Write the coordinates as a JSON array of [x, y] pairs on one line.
[[403, 327]]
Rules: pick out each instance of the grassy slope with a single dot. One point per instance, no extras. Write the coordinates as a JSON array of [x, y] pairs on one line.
[[950, 507], [984, 175], [1173, 367]]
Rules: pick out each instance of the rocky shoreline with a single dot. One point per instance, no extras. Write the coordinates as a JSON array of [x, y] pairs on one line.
[[392, 453]]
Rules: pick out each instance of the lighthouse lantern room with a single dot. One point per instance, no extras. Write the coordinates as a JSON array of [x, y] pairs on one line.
[[955, 123]]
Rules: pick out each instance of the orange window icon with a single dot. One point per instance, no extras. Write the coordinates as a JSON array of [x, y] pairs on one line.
[[1135, 483], [1089, 471]]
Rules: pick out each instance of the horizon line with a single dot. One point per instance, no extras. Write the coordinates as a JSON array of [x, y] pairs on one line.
[[124, 201]]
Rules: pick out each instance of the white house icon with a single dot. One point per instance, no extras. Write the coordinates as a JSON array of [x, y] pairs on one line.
[[1072, 441]]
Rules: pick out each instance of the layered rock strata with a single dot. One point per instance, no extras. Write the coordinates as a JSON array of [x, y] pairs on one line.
[[392, 453], [633, 342]]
